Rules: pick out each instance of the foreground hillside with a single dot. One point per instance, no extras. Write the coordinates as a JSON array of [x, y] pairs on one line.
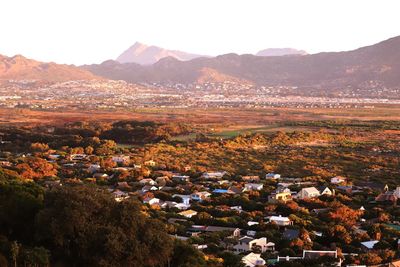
[[74, 195], [374, 66]]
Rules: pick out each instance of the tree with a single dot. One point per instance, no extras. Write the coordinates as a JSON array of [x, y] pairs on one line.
[[36, 168], [84, 226], [185, 255]]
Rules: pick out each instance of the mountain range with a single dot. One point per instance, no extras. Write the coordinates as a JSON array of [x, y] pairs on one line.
[[377, 64], [21, 68]]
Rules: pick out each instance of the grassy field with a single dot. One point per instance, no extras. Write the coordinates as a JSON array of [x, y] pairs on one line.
[[245, 118]]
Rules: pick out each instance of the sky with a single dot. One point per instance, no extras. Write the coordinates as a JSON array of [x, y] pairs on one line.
[[92, 31]]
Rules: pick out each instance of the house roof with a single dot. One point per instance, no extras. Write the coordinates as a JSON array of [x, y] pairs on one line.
[[310, 189], [279, 218], [370, 244]]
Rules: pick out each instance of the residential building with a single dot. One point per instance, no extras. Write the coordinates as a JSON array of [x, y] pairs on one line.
[[308, 192], [272, 176], [280, 195], [247, 244], [338, 180], [280, 220], [188, 213], [200, 196], [253, 260], [253, 187]]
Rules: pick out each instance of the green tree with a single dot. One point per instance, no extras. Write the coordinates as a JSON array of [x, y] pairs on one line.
[[84, 226]]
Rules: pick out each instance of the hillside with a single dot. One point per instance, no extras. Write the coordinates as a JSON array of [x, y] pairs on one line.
[[21, 68], [374, 65]]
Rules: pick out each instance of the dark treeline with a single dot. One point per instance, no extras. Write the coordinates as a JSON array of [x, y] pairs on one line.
[[81, 226], [84, 133]]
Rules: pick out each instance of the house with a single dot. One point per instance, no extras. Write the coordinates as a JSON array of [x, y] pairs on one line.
[[272, 176], [253, 178], [185, 198], [236, 190], [150, 163], [147, 188], [247, 244], [280, 195], [253, 260], [173, 204], [325, 191], [368, 245], [213, 175], [237, 208], [280, 221], [200, 196], [220, 191], [308, 192], [147, 181], [253, 187], [387, 196], [77, 157], [188, 213], [202, 228], [151, 201], [187, 168], [338, 180], [181, 178]]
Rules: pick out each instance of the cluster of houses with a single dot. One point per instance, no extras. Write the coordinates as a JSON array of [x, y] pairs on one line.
[[186, 189]]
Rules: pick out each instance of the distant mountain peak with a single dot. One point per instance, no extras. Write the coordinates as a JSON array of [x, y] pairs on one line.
[[278, 52], [149, 54]]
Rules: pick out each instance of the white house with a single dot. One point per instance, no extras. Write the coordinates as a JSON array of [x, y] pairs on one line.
[[151, 201], [185, 198], [213, 175], [338, 180], [148, 181], [253, 260], [147, 188], [247, 243], [253, 186], [279, 220], [325, 191], [272, 176], [308, 192]]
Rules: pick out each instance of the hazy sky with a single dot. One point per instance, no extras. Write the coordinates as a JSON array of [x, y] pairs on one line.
[[91, 31]]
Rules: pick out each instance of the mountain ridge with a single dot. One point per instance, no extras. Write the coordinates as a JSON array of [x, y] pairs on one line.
[[379, 62], [19, 67]]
